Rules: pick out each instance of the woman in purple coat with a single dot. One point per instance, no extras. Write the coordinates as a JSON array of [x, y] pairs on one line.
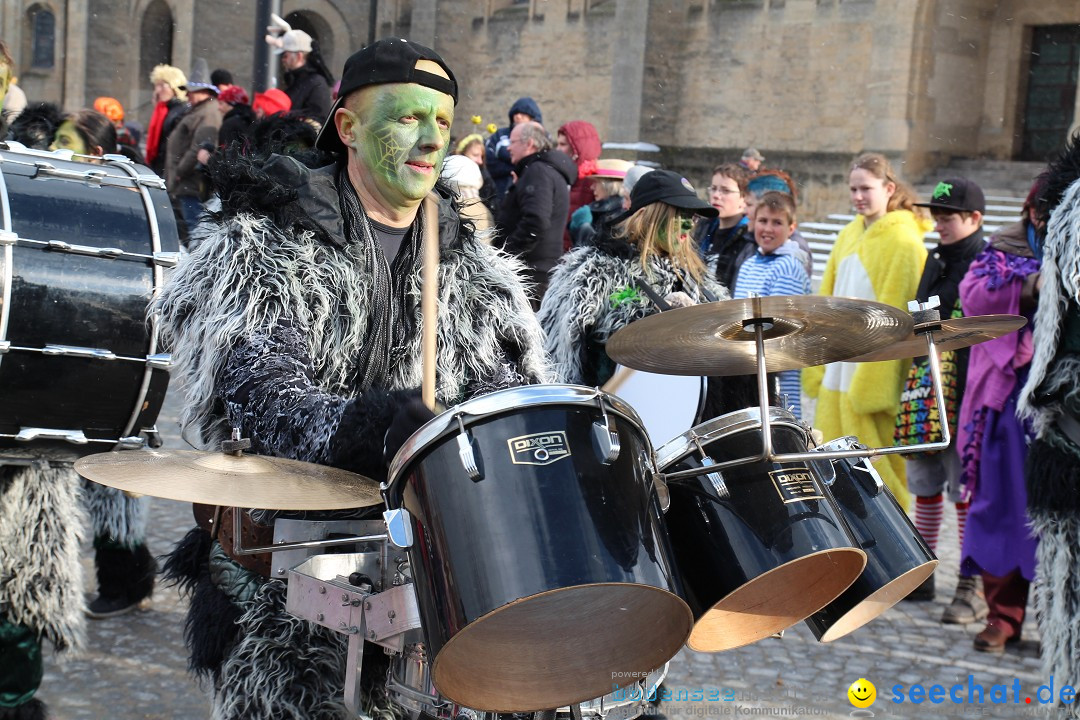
[[999, 542]]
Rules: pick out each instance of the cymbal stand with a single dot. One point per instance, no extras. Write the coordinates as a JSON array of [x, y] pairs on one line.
[[927, 319]]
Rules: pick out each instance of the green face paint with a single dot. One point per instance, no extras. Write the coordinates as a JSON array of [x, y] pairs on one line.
[[684, 225], [68, 138], [401, 136]]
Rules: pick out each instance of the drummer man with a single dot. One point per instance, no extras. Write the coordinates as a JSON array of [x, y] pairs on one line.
[[298, 321]]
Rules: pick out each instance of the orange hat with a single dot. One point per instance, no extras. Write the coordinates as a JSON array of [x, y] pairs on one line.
[[272, 101], [110, 108]]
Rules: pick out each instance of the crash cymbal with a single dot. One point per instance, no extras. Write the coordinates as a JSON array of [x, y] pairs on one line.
[[718, 338], [217, 478], [953, 335]]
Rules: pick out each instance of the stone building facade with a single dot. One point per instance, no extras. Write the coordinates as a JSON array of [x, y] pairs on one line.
[[811, 83]]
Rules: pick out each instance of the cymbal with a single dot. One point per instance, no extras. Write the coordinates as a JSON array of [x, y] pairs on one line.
[[217, 478], [953, 335], [718, 338]]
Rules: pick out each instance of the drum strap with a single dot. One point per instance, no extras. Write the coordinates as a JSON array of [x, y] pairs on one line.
[[662, 304]]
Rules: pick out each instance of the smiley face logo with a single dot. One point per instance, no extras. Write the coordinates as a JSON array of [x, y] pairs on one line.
[[862, 693]]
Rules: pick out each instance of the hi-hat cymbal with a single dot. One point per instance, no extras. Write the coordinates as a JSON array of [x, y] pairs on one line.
[[718, 338], [953, 335], [217, 478]]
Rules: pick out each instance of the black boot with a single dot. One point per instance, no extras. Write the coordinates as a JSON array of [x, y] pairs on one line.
[[125, 579], [32, 709]]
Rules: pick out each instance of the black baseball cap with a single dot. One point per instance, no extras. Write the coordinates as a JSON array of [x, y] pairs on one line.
[[666, 187], [391, 60], [956, 195]]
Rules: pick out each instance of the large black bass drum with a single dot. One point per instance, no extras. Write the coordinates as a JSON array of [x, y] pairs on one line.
[[83, 247], [538, 551]]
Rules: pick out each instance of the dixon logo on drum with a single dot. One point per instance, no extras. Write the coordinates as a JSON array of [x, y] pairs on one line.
[[539, 448], [795, 484]]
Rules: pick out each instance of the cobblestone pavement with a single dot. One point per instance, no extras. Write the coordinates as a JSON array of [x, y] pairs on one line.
[[134, 667]]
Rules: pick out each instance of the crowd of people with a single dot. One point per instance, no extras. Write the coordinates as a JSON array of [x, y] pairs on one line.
[[312, 345]]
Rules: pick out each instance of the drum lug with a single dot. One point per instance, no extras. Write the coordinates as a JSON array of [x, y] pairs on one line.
[[29, 434], [605, 436], [399, 527], [467, 453], [8, 238], [867, 467], [715, 478], [663, 494], [167, 259], [132, 442], [161, 361], [5, 347]]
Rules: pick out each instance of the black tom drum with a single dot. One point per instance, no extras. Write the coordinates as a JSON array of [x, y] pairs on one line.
[[538, 549], [760, 546], [898, 560]]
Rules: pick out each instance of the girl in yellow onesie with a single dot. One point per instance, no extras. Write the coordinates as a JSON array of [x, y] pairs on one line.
[[878, 256]]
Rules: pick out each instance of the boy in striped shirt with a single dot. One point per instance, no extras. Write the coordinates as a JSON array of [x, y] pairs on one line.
[[777, 268]]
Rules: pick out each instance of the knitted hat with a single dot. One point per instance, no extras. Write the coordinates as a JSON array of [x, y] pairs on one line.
[[110, 108], [234, 95], [272, 101], [463, 171]]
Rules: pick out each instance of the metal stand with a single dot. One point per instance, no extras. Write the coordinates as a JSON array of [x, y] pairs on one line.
[[927, 319]]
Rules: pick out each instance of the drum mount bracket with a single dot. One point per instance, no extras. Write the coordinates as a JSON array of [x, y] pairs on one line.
[[319, 591]]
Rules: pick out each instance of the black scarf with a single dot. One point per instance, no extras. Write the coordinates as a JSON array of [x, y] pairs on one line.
[[945, 268], [391, 322]]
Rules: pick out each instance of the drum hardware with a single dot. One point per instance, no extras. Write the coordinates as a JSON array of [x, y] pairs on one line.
[[166, 259], [73, 437], [467, 453], [319, 591], [8, 238], [162, 259], [399, 526], [295, 541], [162, 360], [715, 478], [605, 436], [217, 478]]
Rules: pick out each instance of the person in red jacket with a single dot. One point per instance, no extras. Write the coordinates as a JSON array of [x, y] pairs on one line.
[[581, 142]]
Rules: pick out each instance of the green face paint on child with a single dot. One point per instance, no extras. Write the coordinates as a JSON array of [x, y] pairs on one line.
[[402, 135]]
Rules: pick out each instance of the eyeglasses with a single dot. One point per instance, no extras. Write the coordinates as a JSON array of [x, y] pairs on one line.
[[723, 190]]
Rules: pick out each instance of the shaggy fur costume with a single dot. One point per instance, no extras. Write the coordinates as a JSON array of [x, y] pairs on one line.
[[1052, 389], [115, 514], [267, 320], [41, 528], [593, 293]]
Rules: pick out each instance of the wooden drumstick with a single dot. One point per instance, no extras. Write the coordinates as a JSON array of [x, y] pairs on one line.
[[429, 297]]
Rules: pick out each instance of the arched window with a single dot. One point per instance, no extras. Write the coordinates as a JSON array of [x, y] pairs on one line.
[[155, 38], [42, 38]]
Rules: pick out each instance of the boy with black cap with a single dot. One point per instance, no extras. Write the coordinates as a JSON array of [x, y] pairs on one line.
[[957, 206], [298, 322]]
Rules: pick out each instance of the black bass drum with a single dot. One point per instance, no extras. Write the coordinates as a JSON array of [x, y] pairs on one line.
[[83, 247], [760, 546], [538, 549]]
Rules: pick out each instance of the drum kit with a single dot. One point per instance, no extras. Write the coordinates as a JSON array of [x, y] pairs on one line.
[[536, 544], [542, 549]]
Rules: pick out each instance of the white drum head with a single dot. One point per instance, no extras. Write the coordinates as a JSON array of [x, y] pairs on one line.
[[668, 405]]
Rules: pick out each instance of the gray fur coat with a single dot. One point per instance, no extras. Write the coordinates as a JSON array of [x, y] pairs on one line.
[[268, 317], [593, 293]]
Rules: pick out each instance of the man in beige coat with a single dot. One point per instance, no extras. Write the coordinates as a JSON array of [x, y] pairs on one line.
[[183, 173]]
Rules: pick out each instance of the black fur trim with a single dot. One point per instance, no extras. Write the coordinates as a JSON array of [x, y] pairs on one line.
[[1052, 477], [188, 561], [357, 444], [1062, 172], [36, 125], [32, 709], [211, 629], [124, 573]]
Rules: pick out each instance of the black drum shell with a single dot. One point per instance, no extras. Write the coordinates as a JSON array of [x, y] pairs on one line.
[[722, 545], [524, 530], [897, 557], [65, 298]]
